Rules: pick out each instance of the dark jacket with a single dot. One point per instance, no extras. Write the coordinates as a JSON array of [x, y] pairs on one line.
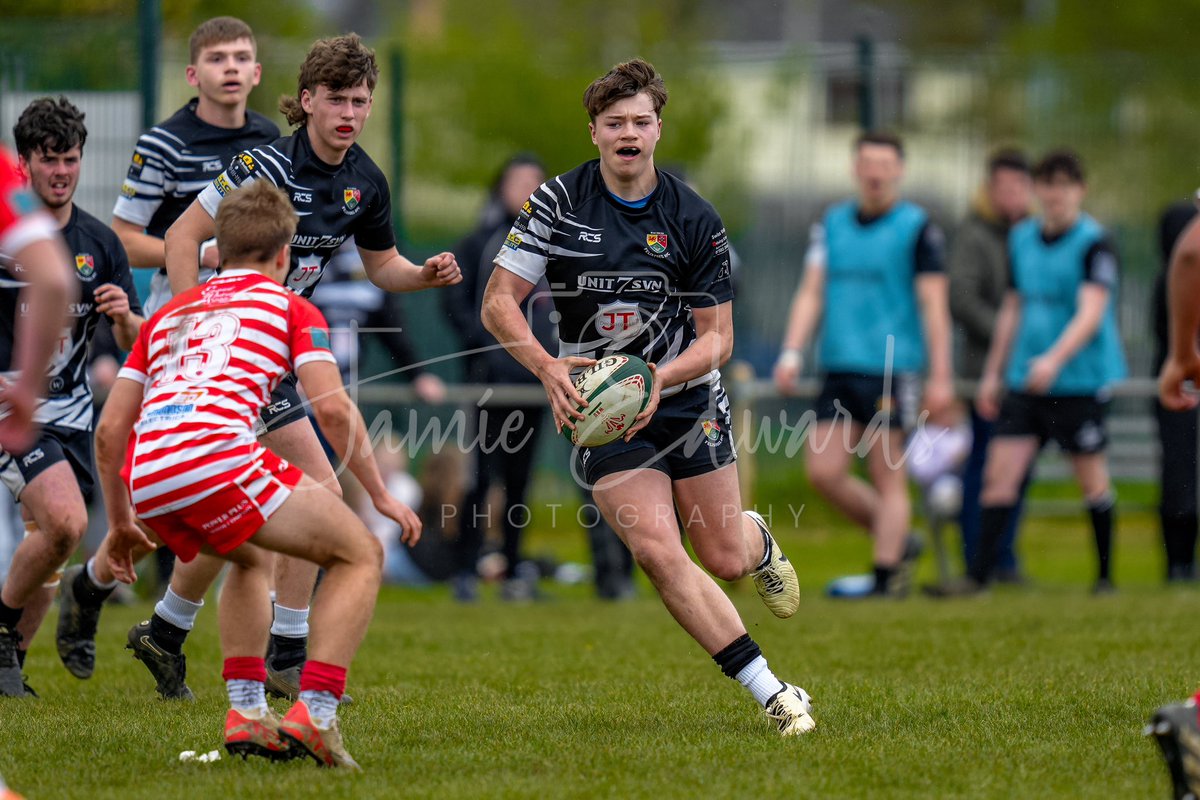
[[462, 304], [978, 270]]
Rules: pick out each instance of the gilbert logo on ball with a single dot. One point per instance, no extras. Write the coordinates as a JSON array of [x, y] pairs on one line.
[[616, 389]]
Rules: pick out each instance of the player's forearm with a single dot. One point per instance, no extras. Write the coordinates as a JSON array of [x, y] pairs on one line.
[[1083, 325], [501, 315], [709, 351], [935, 316], [397, 274], [182, 247], [1006, 327], [112, 437], [1183, 289], [346, 431], [43, 306], [144, 251], [802, 319], [125, 330]]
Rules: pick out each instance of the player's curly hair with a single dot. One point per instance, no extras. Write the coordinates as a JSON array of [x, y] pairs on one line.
[[626, 79], [49, 125], [253, 222], [340, 62]]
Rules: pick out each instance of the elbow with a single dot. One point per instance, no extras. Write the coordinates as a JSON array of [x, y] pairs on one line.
[[726, 349], [488, 315], [333, 413]]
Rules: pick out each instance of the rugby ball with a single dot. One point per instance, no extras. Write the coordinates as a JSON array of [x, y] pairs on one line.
[[616, 389]]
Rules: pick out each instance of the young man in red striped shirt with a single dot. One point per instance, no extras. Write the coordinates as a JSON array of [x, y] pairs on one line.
[[179, 462]]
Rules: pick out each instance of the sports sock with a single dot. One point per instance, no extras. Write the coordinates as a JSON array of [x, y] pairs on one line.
[[883, 575], [10, 616], [245, 681], [1179, 535], [167, 636], [758, 678], [90, 569], [992, 522], [321, 687], [288, 651], [177, 610], [1102, 513], [87, 591], [766, 559], [290, 622], [21, 657]]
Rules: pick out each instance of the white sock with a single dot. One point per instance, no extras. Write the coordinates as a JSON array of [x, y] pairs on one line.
[[177, 610], [290, 622], [91, 573], [246, 695], [322, 707], [758, 678]]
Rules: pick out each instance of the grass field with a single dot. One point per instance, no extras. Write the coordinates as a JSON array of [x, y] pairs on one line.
[[1032, 693]]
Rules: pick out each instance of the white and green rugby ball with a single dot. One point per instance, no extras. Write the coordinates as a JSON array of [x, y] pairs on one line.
[[616, 389]]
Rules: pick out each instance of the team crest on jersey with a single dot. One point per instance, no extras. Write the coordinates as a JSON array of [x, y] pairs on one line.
[[712, 431], [351, 197], [657, 242], [85, 265], [618, 320]]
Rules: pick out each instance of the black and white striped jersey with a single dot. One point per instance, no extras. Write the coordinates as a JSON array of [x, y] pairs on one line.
[[334, 203], [174, 160], [623, 278], [98, 258]]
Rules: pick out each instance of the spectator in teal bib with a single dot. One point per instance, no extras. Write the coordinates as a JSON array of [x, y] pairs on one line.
[[1057, 350], [874, 279]]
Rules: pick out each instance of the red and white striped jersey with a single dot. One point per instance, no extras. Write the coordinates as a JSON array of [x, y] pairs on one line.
[[209, 360]]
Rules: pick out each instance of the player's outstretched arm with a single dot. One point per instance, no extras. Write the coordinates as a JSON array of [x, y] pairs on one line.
[[346, 432], [501, 315], [392, 272], [1183, 301], [182, 244], [125, 541], [50, 287]]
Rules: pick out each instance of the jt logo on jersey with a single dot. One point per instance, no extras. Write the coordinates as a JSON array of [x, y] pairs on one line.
[[618, 320]]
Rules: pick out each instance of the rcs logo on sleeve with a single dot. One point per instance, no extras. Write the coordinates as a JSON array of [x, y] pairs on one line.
[[135, 166], [242, 168]]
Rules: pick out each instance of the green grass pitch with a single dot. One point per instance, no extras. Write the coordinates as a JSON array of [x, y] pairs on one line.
[[1033, 693]]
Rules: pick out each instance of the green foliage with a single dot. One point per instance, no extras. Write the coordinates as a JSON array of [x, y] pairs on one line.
[[1114, 80], [92, 53], [495, 78]]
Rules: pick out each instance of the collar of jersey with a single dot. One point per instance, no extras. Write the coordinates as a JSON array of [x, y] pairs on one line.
[[637, 204], [239, 273]]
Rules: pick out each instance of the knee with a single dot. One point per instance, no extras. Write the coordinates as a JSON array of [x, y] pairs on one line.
[[656, 558], [64, 530], [726, 565], [823, 476]]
